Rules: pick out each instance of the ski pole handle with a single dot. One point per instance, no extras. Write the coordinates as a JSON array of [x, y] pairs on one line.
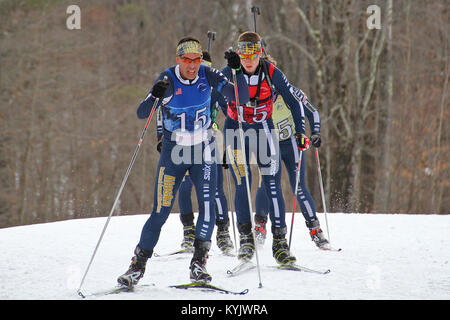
[[211, 37], [255, 10]]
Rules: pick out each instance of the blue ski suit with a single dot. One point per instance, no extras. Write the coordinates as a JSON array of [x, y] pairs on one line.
[[188, 146]]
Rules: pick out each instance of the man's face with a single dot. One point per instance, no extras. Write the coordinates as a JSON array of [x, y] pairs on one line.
[[189, 65]]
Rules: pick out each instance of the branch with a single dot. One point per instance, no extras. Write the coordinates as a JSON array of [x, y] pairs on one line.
[[295, 44], [314, 34], [357, 77], [347, 126], [377, 48]]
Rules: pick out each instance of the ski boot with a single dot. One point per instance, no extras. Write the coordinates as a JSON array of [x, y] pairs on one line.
[[223, 237], [198, 263], [136, 269], [188, 232], [247, 242], [260, 229], [280, 247], [317, 234]]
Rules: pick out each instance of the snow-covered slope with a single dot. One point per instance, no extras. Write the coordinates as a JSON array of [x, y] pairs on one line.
[[384, 257]]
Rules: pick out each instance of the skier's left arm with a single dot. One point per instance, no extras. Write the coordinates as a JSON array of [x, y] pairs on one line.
[[293, 102], [313, 117], [218, 101], [222, 102], [311, 111], [221, 83]]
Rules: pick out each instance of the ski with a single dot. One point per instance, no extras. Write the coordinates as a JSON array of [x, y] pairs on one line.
[[296, 267], [116, 290], [172, 253], [329, 248], [208, 287], [241, 267]]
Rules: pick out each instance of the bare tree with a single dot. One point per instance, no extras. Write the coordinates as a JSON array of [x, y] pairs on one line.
[[68, 98]]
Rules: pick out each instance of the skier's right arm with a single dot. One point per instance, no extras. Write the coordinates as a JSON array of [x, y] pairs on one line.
[[159, 129], [162, 89]]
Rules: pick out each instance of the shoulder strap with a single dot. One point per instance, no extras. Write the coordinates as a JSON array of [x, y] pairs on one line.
[[258, 89], [268, 74]]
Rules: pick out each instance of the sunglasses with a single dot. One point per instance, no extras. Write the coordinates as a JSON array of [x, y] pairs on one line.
[[248, 56], [188, 60]]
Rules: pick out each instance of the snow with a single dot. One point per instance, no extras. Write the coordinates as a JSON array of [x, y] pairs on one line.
[[384, 256]]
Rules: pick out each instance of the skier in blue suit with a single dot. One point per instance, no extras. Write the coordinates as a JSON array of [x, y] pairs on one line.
[[223, 238], [187, 146]]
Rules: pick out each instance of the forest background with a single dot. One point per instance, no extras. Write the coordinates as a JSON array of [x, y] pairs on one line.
[[377, 70]]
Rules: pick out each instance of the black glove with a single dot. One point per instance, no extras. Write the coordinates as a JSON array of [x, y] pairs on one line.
[[159, 88], [159, 146], [224, 161], [316, 141], [234, 61], [302, 141]]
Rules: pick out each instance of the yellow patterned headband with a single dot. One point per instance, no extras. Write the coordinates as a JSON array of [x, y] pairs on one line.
[[189, 47], [249, 47], [206, 63]]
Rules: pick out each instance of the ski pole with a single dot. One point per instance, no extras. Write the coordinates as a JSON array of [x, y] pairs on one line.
[[247, 183], [255, 11], [133, 159], [322, 194], [297, 179], [211, 37], [230, 196]]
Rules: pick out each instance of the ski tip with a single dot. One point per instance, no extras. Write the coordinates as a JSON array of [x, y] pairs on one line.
[[331, 249], [208, 287]]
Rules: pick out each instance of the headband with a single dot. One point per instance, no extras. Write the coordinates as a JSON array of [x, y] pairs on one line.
[[189, 47], [246, 48], [206, 63]]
